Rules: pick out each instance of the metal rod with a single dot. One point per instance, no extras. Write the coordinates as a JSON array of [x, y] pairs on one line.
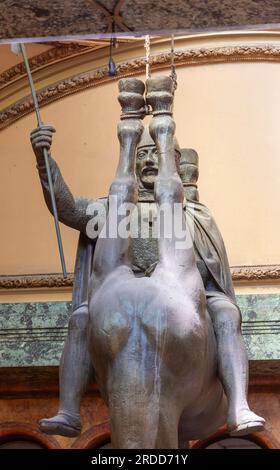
[[173, 67], [46, 158], [147, 49]]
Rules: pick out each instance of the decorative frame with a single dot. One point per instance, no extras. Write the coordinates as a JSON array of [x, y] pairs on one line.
[[53, 280]]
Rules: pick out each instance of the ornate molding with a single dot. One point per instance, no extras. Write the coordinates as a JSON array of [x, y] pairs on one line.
[[94, 437], [52, 55], [35, 281], [39, 281], [57, 53], [256, 273], [132, 67]]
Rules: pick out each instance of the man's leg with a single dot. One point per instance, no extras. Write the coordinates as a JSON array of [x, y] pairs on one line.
[[233, 365], [74, 372]]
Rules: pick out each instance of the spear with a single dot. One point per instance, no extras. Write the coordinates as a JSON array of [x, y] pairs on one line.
[[18, 48]]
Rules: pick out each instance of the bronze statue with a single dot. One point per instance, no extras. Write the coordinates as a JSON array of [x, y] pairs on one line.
[[175, 332]]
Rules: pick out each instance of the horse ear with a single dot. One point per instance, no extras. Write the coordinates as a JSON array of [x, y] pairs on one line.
[[189, 171], [189, 156]]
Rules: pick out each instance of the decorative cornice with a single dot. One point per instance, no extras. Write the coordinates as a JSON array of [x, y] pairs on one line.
[[37, 62], [132, 67], [39, 281], [256, 273], [57, 53], [35, 281]]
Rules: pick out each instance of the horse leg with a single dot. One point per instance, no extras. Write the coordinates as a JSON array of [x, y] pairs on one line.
[[113, 251], [176, 251], [137, 415], [111, 351]]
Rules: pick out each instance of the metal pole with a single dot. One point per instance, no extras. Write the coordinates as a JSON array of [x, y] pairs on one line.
[[173, 67], [46, 158], [147, 49]]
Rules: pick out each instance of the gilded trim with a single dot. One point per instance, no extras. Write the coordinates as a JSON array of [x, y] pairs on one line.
[[132, 67], [256, 273], [31, 281], [37, 62], [35, 281], [59, 52]]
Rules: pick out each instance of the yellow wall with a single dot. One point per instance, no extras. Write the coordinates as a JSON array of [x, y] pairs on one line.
[[227, 112]]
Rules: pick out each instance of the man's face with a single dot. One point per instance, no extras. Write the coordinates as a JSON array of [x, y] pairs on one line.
[[147, 166]]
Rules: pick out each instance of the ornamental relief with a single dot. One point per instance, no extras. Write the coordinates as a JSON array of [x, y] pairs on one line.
[[239, 274]]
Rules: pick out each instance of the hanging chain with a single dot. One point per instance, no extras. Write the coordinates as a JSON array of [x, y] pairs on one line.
[[173, 74], [147, 48]]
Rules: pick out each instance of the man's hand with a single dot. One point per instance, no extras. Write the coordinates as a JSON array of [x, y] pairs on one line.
[[41, 138]]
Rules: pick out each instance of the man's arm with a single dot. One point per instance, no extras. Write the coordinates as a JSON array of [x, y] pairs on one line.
[[71, 211]]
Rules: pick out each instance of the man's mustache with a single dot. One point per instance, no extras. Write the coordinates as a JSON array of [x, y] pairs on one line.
[[152, 169]]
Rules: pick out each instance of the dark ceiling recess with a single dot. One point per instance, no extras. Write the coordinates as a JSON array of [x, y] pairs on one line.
[[92, 18]]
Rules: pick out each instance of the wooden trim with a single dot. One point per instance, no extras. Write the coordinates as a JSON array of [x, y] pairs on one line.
[[36, 281], [21, 382], [256, 273], [93, 438], [54, 280], [35, 382], [263, 441], [17, 430], [264, 384], [186, 57]]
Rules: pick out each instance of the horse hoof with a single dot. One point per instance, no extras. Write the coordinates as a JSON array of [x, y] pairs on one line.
[[62, 425], [247, 428]]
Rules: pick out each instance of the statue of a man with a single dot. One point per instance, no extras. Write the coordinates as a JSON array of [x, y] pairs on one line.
[[212, 262]]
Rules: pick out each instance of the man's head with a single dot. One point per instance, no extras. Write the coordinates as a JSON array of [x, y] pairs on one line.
[[189, 173], [147, 160]]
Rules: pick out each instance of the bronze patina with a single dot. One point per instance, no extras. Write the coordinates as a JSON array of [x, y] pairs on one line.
[[166, 345]]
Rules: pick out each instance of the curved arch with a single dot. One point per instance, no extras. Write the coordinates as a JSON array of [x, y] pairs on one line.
[[93, 438], [189, 57], [261, 441], [12, 430]]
